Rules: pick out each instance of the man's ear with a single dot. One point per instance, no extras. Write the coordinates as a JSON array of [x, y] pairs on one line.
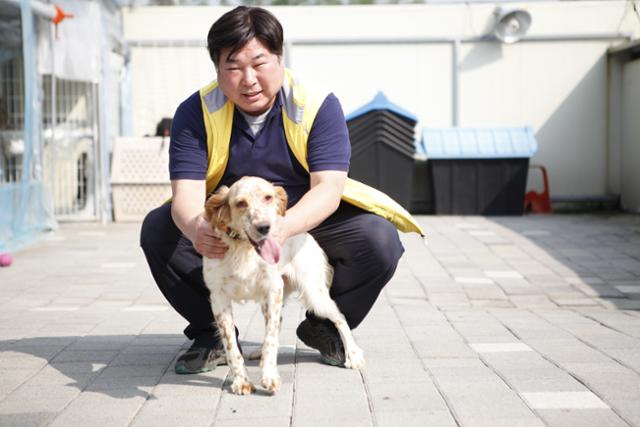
[[216, 208], [281, 200]]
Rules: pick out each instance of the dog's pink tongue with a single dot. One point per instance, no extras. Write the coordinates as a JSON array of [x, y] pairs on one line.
[[270, 251]]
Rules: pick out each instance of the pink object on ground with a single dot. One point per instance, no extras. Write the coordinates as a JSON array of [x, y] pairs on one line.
[[5, 260]]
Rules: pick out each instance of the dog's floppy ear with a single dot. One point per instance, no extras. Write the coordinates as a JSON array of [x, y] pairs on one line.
[[281, 200], [216, 208]]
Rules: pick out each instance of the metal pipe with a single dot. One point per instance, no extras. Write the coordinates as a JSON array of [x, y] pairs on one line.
[[394, 40], [54, 116], [455, 87], [97, 140]]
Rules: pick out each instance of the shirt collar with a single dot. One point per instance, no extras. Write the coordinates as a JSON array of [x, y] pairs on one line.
[[239, 121]]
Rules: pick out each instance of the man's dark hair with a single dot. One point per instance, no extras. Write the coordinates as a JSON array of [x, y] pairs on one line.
[[235, 28]]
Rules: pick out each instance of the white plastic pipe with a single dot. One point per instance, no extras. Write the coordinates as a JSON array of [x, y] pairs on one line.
[[45, 10]]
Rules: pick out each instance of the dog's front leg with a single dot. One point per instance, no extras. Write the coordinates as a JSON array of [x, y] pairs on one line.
[[222, 311], [272, 310]]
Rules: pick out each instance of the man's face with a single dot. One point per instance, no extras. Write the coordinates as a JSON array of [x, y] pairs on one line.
[[251, 77]]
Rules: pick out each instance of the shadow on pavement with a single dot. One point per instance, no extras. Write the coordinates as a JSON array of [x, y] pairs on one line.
[[120, 366]]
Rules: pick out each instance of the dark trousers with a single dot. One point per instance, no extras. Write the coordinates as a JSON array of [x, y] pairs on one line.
[[363, 248]]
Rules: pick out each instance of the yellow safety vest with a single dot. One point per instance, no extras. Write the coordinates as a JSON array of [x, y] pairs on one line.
[[298, 112]]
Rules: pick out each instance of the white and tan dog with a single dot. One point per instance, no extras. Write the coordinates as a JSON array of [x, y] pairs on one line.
[[256, 268]]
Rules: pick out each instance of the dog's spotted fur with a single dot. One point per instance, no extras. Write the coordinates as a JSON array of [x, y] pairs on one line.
[[238, 213]]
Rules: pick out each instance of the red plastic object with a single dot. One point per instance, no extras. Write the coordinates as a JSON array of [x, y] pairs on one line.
[[538, 202], [60, 15]]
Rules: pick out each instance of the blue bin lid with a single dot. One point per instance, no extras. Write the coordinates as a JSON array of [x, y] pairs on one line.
[[477, 143], [381, 102]]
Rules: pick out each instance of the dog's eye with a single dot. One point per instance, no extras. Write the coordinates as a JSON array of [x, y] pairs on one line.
[[268, 198], [241, 204]]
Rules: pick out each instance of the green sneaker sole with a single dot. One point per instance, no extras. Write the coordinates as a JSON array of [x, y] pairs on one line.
[[331, 361], [181, 370]]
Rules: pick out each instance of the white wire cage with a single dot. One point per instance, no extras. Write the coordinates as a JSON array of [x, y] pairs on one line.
[[76, 105], [69, 123]]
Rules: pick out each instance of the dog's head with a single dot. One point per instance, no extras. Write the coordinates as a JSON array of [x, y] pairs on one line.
[[249, 210]]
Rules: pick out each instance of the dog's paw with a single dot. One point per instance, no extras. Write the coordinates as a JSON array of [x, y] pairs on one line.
[[355, 359], [242, 386], [271, 382]]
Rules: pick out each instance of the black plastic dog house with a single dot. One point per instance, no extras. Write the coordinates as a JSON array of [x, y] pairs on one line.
[[478, 171], [382, 138]]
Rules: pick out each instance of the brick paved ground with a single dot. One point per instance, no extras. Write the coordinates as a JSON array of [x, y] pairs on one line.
[[527, 321]]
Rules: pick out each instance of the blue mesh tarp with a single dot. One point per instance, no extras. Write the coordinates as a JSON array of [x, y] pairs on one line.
[[25, 214], [24, 209]]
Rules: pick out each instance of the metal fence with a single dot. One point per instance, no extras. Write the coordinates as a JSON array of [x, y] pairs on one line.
[[11, 120]]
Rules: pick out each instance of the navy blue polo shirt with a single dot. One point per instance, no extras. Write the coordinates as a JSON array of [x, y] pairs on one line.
[[266, 154]]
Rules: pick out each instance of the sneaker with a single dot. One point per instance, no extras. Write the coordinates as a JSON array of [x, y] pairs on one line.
[[323, 336], [199, 359]]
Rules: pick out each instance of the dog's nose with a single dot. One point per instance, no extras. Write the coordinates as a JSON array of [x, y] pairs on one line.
[[263, 229]]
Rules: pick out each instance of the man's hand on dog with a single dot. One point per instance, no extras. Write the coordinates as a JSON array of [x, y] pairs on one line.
[[207, 242]]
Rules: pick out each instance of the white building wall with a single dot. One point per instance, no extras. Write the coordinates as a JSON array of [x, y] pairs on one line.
[[558, 87], [630, 176]]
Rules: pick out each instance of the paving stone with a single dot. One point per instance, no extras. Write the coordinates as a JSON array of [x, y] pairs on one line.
[[563, 400], [410, 397], [499, 347], [383, 349], [629, 357], [601, 291], [485, 293], [612, 385], [581, 417], [516, 287], [86, 356], [50, 375], [628, 408], [339, 417], [573, 302], [101, 343], [390, 371], [341, 404], [437, 348], [10, 379], [457, 367], [258, 405], [209, 384], [471, 280], [31, 397], [264, 422], [532, 301], [415, 419], [27, 419], [484, 400], [74, 368], [143, 358], [491, 303], [445, 300], [99, 409], [129, 383], [621, 304], [567, 351]]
